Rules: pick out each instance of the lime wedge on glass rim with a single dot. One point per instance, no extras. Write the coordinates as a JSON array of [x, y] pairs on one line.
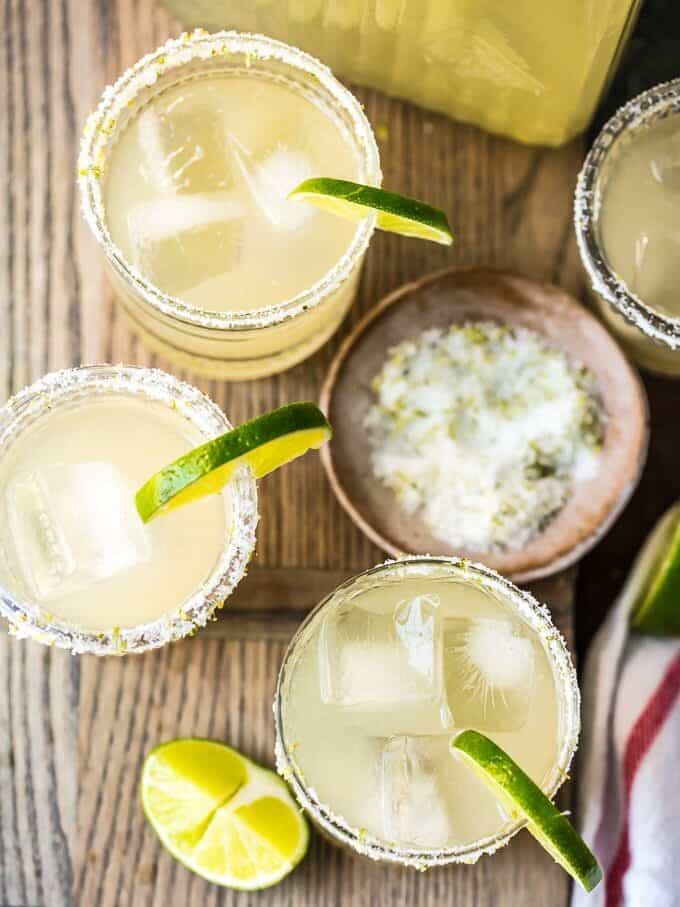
[[264, 444], [524, 799], [225, 818], [394, 213], [658, 611]]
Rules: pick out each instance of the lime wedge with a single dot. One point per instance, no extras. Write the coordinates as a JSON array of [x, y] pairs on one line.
[[659, 609], [222, 816], [264, 444], [395, 213], [524, 799]]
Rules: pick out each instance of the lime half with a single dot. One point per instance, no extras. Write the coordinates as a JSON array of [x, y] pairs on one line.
[[222, 816], [264, 444], [524, 799], [395, 213], [659, 608]]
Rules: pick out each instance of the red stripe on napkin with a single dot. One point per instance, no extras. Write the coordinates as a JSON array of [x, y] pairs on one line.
[[642, 736]]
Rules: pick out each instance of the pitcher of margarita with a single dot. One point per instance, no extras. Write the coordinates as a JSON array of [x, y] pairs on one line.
[[530, 69]]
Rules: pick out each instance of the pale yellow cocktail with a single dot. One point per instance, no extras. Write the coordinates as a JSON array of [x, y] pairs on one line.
[[78, 567], [382, 675], [627, 218]]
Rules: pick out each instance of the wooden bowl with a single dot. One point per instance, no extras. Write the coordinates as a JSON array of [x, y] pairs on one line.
[[473, 294]]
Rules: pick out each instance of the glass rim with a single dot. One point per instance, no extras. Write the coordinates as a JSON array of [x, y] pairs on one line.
[[29, 620], [539, 619], [656, 103], [176, 53]]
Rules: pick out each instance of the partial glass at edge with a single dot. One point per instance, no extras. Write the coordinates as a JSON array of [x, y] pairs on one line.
[[525, 606], [230, 344], [66, 389], [650, 337]]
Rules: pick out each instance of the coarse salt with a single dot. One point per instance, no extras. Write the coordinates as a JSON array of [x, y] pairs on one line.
[[482, 431]]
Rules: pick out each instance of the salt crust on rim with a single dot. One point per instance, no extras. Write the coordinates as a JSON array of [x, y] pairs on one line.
[[535, 615], [29, 620], [116, 99], [662, 100]]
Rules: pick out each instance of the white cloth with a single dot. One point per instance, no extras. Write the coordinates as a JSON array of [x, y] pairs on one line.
[[629, 781]]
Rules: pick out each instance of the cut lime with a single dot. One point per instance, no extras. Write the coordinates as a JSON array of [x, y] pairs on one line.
[[264, 444], [659, 608], [524, 799], [222, 816], [395, 213]]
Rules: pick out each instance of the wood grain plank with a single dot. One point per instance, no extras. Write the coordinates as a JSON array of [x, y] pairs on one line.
[[38, 760], [291, 588], [38, 752], [71, 831], [7, 200]]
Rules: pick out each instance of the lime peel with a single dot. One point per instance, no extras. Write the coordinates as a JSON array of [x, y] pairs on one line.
[[394, 213], [243, 830], [525, 800], [263, 444]]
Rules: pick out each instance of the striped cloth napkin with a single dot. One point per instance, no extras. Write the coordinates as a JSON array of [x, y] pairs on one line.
[[629, 769]]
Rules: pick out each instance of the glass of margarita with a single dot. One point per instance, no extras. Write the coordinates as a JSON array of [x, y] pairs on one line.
[[78, 568], [627, 218], [385, 671], [185, 168]]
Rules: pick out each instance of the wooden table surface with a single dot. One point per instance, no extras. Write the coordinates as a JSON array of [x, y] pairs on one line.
[[74, 731]]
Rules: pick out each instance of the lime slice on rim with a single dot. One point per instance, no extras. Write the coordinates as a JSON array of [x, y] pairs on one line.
[[524, 799], [395, 213], [264, 444], [222, 816], [659, 609]]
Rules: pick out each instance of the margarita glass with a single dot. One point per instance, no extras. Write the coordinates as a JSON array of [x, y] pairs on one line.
[[185, 168], [78, 568], [650, 334], [385, 671]]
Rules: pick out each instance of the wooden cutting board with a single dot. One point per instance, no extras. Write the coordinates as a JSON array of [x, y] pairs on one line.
[[73, 732]]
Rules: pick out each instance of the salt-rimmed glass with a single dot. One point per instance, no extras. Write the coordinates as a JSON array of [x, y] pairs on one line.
[[525, 606], [64, 388], [651, 337], [230, 344]]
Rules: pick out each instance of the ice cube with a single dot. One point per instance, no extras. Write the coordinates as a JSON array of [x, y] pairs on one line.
[[483, 53], [416, 624], [415, 809], [154, 166], [179, 237], [183, 151], [164, 218], [665, 164], [639, 261], [371, 657], [385, 668], [72, 526], [269, 180], [489, 666]]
